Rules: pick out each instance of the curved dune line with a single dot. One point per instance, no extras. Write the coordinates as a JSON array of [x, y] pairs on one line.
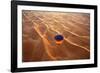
[[44, 40], [65, 28], [72, 17], [42, 21], [45, 43], [48, 26], [83, 37], [77, 17], [77, 45], [72, 42], [72, 32], [55, 30]]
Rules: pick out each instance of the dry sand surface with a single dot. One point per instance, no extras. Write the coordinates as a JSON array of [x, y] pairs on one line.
[[40, 28]]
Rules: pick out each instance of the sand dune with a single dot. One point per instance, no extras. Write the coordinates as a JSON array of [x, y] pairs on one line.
[[40, 28]]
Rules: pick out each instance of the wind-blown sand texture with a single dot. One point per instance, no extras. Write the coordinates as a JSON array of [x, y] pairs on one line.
[[39, 29]]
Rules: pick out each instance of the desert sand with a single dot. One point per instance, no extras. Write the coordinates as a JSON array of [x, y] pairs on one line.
[[40, 28]]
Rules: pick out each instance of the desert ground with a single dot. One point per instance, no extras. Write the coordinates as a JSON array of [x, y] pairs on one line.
[[40, 27]]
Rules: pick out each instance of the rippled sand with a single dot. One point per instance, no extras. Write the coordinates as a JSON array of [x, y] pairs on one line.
[[40, 28]]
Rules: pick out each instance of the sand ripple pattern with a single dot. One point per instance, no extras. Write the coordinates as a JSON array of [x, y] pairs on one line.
[[40, 27]]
